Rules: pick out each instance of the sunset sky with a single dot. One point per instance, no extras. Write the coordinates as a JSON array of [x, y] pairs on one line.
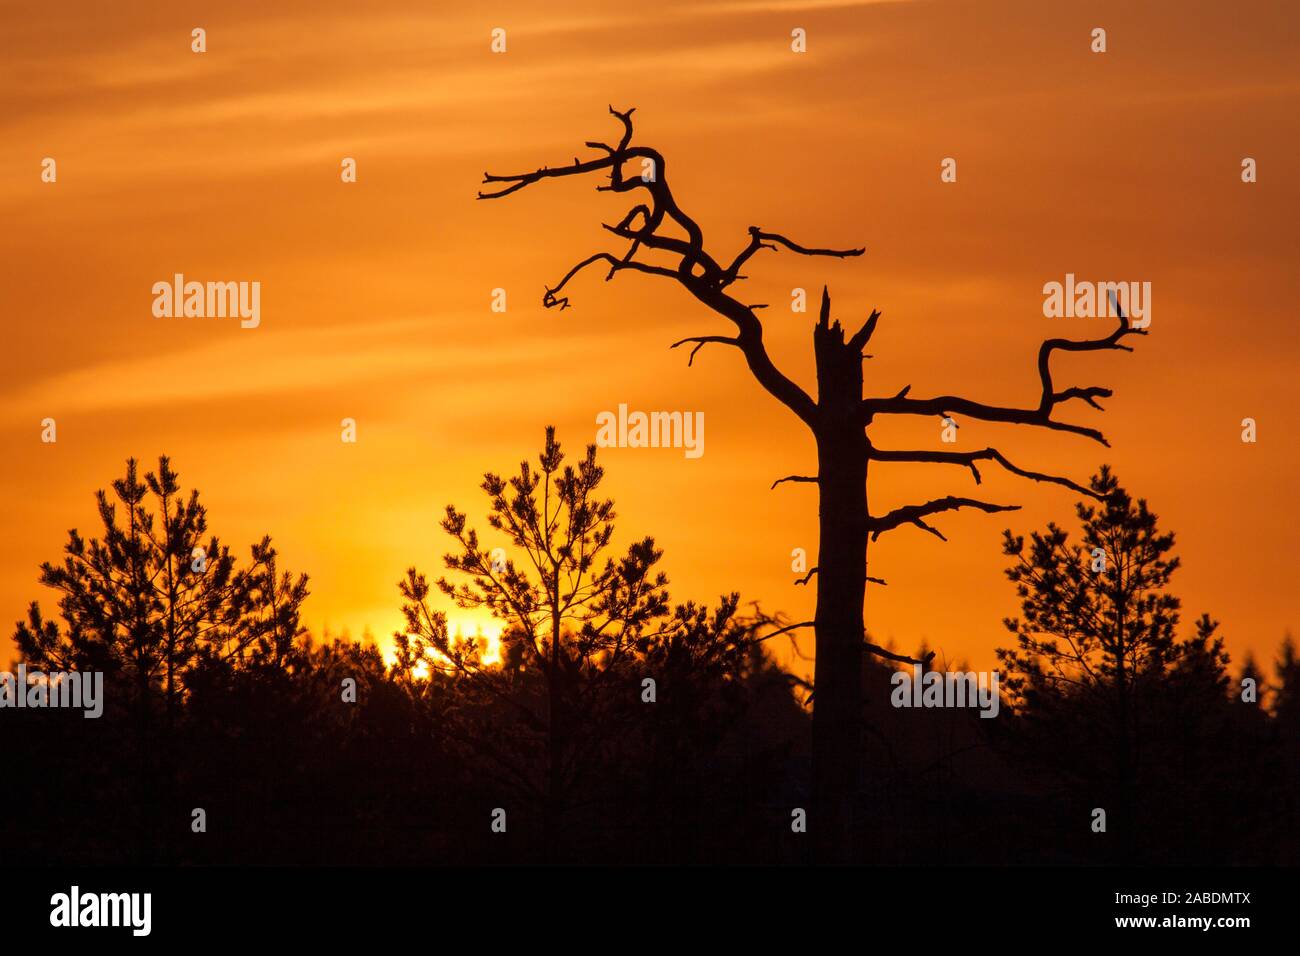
[[1122, 166]]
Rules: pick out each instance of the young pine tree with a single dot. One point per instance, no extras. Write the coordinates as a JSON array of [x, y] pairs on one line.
[[149, 601], [1098, 669], [580, 629], [152, 597]]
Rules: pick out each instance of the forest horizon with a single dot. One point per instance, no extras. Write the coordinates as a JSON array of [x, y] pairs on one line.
[[397, 331]]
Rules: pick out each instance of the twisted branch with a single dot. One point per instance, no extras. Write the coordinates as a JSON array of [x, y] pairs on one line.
[[916, 514], [943, 405], [695, 270]]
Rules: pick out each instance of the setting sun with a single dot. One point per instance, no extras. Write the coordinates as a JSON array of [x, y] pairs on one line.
[[460, 628]]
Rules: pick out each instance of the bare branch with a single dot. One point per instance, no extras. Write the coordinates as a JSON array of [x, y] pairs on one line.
[[915, 514], [969, 458], [808, 577], [758, 239], [805, 251], [808, 479], [550, 299], [696, 270], [875, 649], [519, 181], [702, 340], [783, 630], [863, 335], [1041, 416], [901, 658]]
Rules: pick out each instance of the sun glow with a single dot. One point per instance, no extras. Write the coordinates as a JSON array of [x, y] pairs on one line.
[[486, 634]]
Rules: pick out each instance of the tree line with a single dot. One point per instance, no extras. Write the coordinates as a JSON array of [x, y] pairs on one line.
[[615, 723]]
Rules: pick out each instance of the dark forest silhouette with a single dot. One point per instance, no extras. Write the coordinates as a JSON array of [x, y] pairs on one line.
[[839, 419], [218, 698]]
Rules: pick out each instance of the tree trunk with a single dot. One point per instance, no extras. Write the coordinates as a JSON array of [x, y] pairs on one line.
[[841, 590], [556, 741], [1124, 822]]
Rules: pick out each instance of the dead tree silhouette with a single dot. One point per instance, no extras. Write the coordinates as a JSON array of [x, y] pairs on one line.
[[838, 418]]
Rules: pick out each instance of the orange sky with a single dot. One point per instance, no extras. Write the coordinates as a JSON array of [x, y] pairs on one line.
[[375, 296]]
